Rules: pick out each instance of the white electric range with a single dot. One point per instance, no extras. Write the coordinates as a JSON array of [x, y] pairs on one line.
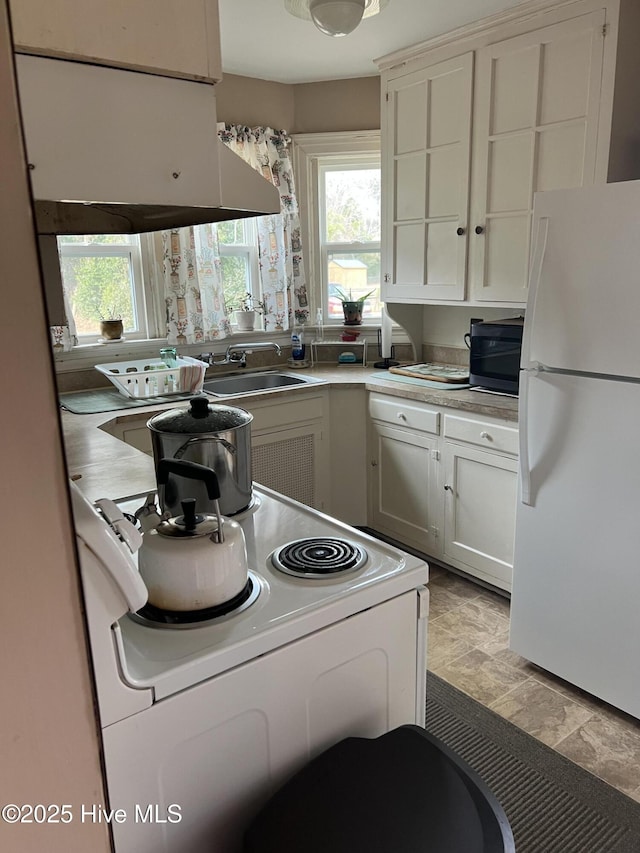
[[202, 722]]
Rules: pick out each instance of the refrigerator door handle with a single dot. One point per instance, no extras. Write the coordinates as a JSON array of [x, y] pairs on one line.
[[523, 434], [537, 260]]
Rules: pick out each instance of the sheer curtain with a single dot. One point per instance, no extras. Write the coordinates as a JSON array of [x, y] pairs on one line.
[[282, 275], [194, 301], [64, 338]]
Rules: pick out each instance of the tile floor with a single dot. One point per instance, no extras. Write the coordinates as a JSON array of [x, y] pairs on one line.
[[469, 648]]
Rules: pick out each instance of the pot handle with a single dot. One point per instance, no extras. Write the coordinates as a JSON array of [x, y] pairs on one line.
[[191, 470], [198, 439]]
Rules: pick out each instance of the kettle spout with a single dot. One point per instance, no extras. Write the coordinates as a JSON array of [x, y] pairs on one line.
[[148, 514]]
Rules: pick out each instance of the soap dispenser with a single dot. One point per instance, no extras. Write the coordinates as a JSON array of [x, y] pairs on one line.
[[297, 345]]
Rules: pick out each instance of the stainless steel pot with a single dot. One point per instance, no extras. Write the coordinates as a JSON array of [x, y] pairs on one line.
[[210, 434]]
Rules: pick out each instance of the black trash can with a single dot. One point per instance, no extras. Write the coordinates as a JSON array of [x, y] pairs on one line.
[[404, 792]]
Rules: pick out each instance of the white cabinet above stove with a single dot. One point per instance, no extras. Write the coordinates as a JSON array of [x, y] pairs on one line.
[[177, 38]]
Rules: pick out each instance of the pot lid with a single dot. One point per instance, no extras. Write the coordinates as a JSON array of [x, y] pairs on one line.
[[201, 416], [189, 525]]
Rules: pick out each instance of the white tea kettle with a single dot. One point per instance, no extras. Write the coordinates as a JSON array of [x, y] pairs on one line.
[[193, 561]]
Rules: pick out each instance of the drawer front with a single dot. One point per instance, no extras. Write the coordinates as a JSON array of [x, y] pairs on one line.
[[284, 413], [488, 435], [396, 411]]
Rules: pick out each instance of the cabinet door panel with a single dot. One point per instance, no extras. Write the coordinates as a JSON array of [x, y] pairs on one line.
[[444, 166], [565, 86], [409, 261], [480, 512], [536, 113], [410, 116], [442, 246], [514, 83], [426, 174], [506, 251], [402, 485], [411, 184], [509, 184], [405, 466], [561, 157], [446, 126]]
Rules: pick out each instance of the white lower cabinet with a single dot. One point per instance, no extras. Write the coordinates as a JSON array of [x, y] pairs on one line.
[[403, 451], [289, 446], [479, 512], [445, 484], [402, 480]]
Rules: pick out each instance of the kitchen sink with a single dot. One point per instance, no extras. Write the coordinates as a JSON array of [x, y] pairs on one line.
[[225, 386]]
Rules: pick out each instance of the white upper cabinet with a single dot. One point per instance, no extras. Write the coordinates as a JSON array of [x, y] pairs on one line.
[[537, 101], [474, 123], [427, 163], [175, 38]]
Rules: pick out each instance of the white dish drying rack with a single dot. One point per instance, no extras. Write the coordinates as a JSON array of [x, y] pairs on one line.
[[152, 377]]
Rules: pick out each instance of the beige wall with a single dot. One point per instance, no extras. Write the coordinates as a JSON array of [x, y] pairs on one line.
[[337, 105], [255, 103], [352, 104], [446, 325]]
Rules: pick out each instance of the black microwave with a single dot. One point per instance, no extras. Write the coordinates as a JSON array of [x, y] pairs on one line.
[[494, 360]]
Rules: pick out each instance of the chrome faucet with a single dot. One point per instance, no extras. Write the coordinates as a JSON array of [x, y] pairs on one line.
[[237, 353]]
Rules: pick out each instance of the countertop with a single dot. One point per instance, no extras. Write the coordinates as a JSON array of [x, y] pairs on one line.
[[107, 467]]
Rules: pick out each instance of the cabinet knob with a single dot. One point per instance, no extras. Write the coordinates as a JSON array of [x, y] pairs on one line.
[[448, 488], [479, 229], [461, 231], [401, 416], [374, 463], [485, 434]]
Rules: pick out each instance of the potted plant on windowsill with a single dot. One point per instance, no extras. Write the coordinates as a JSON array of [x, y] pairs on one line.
[[111, 327], [246, 313], [352, 307]]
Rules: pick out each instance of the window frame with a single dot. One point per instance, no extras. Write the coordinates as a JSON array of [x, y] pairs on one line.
[[325, 247], [313, 152], [248, 250], [134, 252]]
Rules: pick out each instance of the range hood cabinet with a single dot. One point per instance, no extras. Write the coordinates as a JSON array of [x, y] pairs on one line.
[[122, 152]]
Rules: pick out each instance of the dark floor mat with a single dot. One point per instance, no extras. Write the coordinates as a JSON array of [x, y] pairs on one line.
[[553, 805]]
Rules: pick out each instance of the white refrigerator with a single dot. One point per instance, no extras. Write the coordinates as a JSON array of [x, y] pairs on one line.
[[575, 605]]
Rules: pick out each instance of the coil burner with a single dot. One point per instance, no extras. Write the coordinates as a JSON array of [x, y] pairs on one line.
[[155, 617], [319, 557]]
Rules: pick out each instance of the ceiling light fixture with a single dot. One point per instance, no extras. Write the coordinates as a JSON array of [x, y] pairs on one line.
[[334, 17]]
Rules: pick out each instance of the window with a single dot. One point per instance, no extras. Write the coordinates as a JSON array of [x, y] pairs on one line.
[[102, 276], [338, 178], [349, 215], [238, 244]]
